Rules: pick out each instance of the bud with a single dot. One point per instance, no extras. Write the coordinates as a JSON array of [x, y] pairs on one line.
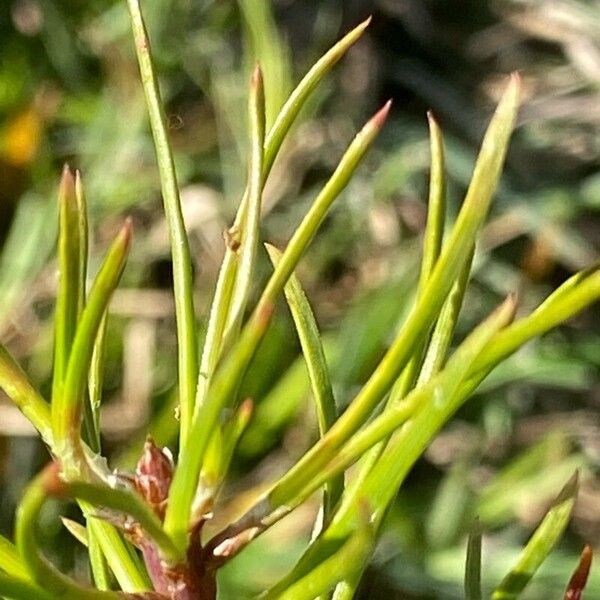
[[153, 475]]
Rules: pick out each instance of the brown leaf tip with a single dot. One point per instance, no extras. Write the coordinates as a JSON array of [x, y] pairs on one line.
[[127, 230], [512, 303], [381, 115], [580, 576], [67, 184], [365, 23], [431, 118], [257, 76]]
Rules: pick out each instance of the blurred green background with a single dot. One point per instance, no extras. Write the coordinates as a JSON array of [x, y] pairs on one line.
[[69, 92]]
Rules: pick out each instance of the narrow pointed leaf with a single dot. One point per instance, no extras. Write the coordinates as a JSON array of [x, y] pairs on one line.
[[436, 206], [579, 578], [578, 292], [541, 543], [473, 564], [300, 95], [318, 371], [265, 44], [91, 425], [82, 222], [250, 230], [10, 561], [235, 276], [432, 245], [69, 293], [182, 263], [67, 408], [19, 389]]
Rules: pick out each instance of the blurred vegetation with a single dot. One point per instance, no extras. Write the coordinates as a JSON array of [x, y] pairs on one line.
[[69, 91]]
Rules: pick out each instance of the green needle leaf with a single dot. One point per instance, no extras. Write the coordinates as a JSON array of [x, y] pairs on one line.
[[67, 408], [318, 371], [289, 112], [473, 564], [182, 263], [545, 537], [69, 294], [436, 206], [578, 292], [250, 230], [432, 245], [82, 222], [235, 275], [220, 307], [19, 389], [10, 561]]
